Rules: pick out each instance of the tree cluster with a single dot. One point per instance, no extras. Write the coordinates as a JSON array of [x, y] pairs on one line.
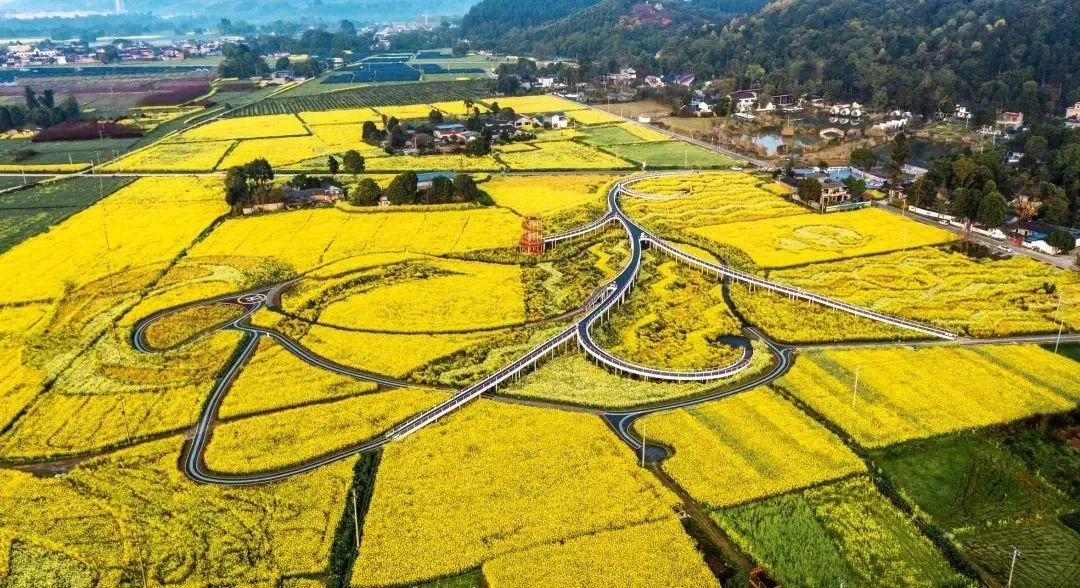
[[404, 189], [41, 111], [248, 183]]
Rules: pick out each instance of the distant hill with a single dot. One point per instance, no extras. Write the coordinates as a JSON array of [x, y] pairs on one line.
[[263, 11], [628, 32], [919, 55]]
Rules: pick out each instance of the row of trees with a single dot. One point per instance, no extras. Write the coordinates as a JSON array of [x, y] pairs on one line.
[[42, 111], [405, 189]]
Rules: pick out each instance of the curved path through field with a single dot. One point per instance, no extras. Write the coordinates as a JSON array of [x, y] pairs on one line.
[[595, 308]]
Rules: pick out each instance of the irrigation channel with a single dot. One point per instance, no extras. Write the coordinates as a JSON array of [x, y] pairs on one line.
[[592, 311]]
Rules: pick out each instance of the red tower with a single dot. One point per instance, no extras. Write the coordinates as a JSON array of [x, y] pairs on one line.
[[532, 235]]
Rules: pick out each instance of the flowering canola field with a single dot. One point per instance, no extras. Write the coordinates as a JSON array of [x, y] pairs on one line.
[[557, 155], [746, 447], [453, 496], [649, 554], [983, 298], [547, 195], [251, 127], [113, 516], [911, 393], [807, 238]]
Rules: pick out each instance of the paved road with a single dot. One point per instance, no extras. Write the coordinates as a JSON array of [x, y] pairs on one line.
[[1061, 261], [606, 297]]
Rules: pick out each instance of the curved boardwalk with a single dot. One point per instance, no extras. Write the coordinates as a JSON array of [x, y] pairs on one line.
[[593, 310]]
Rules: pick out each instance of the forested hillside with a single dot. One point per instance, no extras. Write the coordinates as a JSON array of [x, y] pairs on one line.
[[924, 56], [663, 37]]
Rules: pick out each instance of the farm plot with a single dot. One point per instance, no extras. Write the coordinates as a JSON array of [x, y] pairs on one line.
[[573, 379], [25, 213], [251, 127], [547, 477], [675, 319], [592, 117], [272, 370], [671, 154], [705, 199], [459, 295], [114, 516], [808, 238], [148, 221], [536, 104], [561, 155], [185, 325], [650, 554], [746, 447], [992, 493], [351, 116], [369, 96], [797, 321], [282, 438], [912, 393], [173, 157], [982, 298], [393, 355], [310, 238], [549, 195], [844, 532], [435, 162]]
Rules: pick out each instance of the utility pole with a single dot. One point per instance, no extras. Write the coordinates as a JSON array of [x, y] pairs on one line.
[[642, 444], [1015, 554], [1061, 323], [855, 389], [356, 519]]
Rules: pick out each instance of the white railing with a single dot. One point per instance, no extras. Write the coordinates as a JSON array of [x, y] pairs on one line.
[[582, 230], [798, 292], [456, 401]]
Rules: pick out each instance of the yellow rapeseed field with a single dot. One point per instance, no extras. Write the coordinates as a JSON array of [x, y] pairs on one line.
[[42, 168], [174, 329], [557, 155], [455, 107], [673, 320], [309, 238], [281, 152], [112, 394], [495, 479], [289, 437], [173, 157], [436, 162], [407, 112], [573, 379], [984, 298], [703, 199], [907, 393], [116, 514], [460, 296], [642, 556], [352, 116], [248, 127], [387, 354], [150, 220], [799, 321], [546, 194], [275, 378], [795, 240], [536, 104], [589, 116], [746, 447], [644, 133]]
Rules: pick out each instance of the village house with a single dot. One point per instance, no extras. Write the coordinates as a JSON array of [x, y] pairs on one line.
[[1011, 121], [552, 120], [449, 131], [1073, 112], [321, 196], [743, 100], [701, 108]]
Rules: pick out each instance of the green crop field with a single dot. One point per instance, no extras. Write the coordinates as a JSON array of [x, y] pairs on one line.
[[671, 154], [845, 532], [25, 213], [607, 136]]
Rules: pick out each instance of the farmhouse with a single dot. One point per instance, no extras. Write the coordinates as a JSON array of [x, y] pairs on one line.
[[1073, 112], [1011, 120], [743, 100], [552, 120], [449, 131], [322, 196], [424, 181]]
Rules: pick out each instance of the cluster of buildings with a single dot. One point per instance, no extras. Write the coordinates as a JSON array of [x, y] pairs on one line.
[[21, 55], [453, 137]]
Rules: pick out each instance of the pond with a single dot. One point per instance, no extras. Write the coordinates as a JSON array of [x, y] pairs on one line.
[[771, 141]]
